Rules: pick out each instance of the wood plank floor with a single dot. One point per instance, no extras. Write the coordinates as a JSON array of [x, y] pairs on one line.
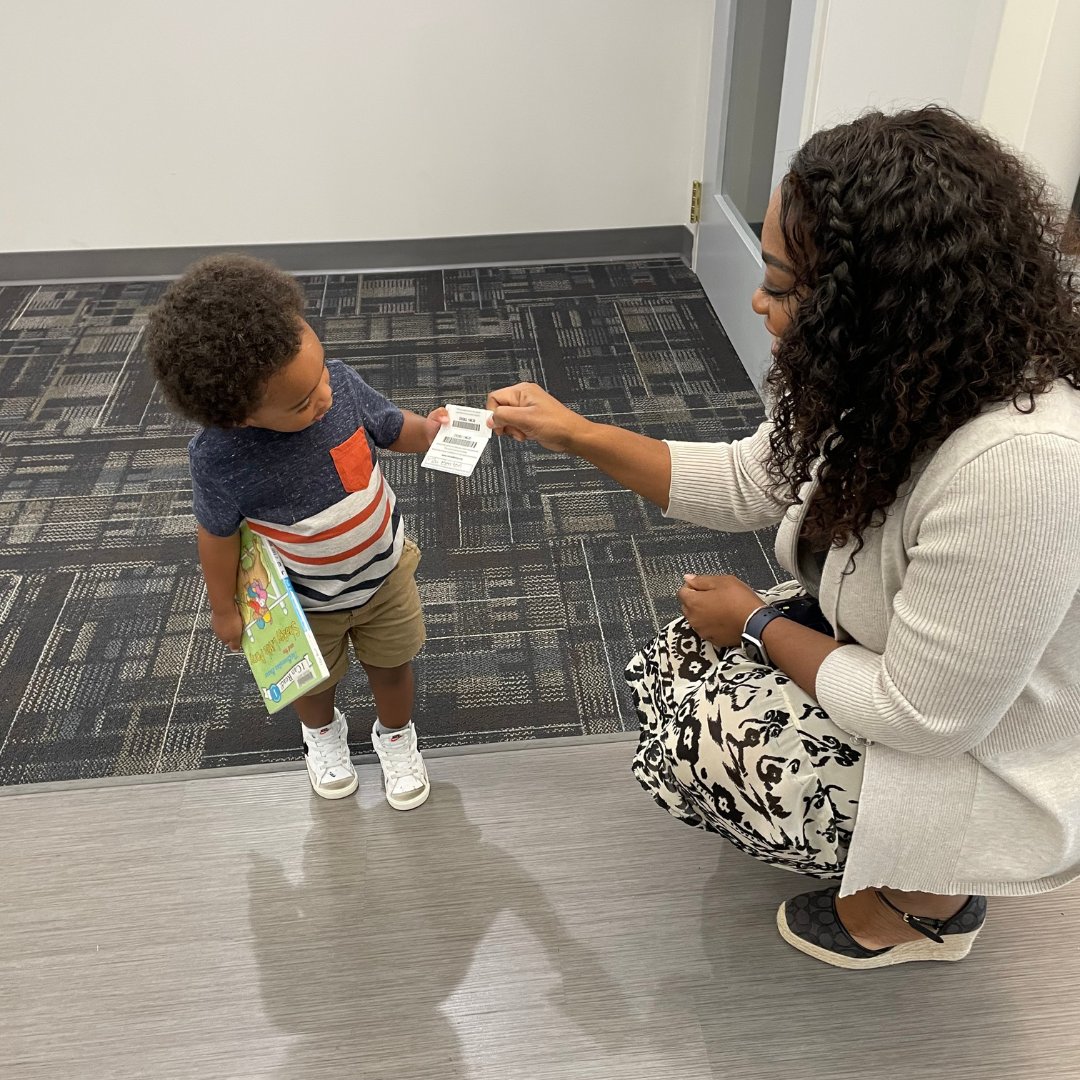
[[538, 919]]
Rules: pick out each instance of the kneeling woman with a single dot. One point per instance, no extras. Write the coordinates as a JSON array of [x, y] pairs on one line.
[[905, 715]]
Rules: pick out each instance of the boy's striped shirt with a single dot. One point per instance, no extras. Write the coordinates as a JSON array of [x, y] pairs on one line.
[[318, 495], [339, 557]]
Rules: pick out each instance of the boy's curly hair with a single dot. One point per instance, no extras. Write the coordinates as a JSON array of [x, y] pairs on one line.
[[219, 333], [931, 284]]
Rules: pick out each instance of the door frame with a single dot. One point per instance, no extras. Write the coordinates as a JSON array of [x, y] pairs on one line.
[[727, 257]]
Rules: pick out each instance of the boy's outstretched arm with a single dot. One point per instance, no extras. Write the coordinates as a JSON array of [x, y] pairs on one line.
[[418, 431], [219, 557]]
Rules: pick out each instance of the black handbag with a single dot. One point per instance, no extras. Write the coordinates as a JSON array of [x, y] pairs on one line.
[[806, 611]]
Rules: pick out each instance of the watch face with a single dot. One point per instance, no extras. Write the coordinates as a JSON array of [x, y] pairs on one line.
[[754, 651]]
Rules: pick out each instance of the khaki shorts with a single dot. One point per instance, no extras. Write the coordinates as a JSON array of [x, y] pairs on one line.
[[385, 632]]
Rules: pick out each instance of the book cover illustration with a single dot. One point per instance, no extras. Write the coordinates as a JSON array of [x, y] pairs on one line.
[[277, 640]]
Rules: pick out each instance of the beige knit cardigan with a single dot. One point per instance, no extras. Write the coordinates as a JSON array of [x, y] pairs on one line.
[[961, 662]]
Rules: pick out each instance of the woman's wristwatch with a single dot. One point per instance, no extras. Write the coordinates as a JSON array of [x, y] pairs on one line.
[[754, 628]]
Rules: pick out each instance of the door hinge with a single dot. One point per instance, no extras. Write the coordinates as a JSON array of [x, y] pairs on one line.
[[695, 202]]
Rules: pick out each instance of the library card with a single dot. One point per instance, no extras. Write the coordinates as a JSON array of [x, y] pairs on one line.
[[458, 445]]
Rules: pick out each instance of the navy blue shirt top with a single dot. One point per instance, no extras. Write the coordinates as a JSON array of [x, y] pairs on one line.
[[317, 494]]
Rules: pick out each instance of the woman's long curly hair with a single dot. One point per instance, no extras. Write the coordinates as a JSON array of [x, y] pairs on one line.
[[930, 283]]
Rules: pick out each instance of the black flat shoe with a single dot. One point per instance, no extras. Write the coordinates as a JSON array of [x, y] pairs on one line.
[[810, 923]]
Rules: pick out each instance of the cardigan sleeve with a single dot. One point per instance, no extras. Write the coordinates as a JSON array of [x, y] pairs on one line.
[[724, 486], [993, 571]]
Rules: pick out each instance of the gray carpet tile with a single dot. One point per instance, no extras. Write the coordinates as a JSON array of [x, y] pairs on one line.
[[539, 578]]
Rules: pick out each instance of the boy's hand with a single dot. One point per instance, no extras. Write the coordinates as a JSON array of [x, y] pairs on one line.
[[229, 628], [418, 432], [435, 420]]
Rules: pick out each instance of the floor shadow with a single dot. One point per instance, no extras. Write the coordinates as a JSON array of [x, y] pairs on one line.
[[359, 957], [781, 1014]]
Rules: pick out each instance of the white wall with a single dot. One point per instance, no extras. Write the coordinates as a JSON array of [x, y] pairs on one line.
[[1009, 64], [145, 123], [886, 55], [1033, 100]]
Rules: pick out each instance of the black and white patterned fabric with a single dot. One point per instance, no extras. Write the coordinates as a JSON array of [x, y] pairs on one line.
[[739, 749]]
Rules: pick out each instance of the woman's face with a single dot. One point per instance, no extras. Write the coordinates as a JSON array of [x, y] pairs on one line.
[[774, 299]]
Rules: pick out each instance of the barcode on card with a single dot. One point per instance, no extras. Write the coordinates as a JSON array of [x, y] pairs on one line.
[[460, 440], [469, 425], [307, 677]]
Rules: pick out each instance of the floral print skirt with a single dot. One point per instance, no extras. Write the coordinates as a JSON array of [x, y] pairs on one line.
[[739, 749]]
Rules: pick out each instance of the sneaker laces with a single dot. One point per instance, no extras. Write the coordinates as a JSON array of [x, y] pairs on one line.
[[330, 750], [399, 755]]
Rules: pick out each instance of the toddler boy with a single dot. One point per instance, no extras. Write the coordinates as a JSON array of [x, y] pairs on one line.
[[289, 442]]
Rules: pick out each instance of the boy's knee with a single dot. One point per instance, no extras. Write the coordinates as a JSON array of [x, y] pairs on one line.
[[391, 674]]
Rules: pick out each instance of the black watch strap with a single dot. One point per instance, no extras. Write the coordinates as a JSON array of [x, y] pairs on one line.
[[755, 627]]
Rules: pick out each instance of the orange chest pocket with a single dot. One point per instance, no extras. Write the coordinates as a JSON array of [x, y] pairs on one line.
[[352, 458]]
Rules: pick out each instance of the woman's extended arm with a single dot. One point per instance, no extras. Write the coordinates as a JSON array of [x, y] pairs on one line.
[[721, 485], [635, 461]]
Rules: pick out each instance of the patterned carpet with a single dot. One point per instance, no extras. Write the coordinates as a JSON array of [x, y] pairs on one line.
[[539, 576]]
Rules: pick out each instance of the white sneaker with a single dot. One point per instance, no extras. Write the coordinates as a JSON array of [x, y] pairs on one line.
[[404, 772], [326, 754]]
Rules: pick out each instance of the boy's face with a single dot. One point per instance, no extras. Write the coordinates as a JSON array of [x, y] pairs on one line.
[[299, 393]]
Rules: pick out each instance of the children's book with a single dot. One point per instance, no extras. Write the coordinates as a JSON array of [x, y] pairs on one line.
[[278, 642]]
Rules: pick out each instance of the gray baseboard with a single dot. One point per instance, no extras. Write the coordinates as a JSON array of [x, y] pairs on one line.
[[125, 264], [431, 753]]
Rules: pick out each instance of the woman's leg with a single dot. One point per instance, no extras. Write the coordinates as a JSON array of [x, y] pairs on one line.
[[739, 749], [874, 925]]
